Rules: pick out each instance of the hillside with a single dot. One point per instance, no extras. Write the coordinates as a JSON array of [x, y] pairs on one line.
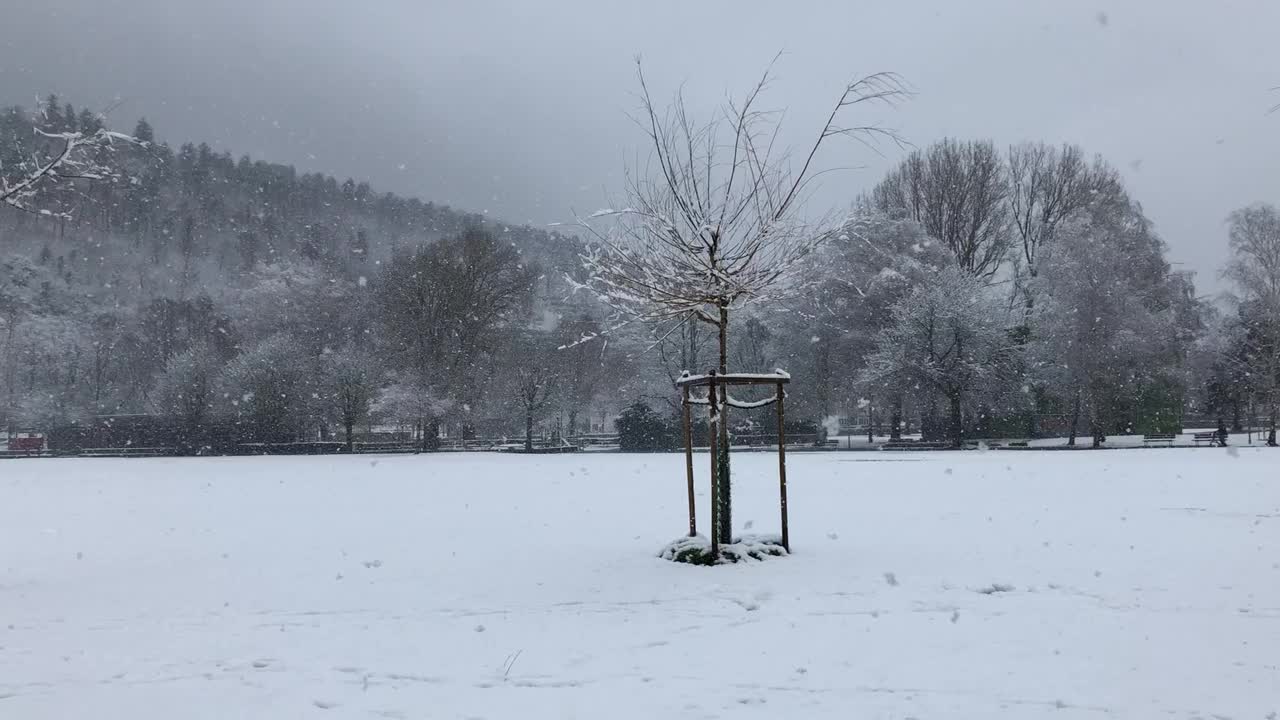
[[192, 247]]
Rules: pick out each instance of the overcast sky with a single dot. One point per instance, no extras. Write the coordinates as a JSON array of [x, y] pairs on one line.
[[520, 108]]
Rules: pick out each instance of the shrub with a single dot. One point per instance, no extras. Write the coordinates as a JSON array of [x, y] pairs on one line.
[[641, 429]]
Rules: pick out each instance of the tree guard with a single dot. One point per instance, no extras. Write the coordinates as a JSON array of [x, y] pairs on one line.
[[713, 381]]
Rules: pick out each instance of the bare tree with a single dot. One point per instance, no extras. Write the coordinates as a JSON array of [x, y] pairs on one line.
[[713, 224], [70, 156], [537, 380], [351, 382], [446, 305], [1047, 185], [583, 365], [681, 347], [959, 193]]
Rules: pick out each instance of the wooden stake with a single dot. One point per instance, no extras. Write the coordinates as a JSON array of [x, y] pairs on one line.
[[688, 462], [714, 433], [782, 469]]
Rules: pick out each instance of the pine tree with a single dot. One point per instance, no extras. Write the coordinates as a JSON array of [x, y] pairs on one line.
[[143, 131]]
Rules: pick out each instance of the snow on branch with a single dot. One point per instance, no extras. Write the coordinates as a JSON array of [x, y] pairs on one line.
[[72, 156], [713, 225]]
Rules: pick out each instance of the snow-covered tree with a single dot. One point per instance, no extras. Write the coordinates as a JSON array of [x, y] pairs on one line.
[[60, 155], [1255, 269], [446, 308], [272, 386], [1047, 186], [713, 224], [583, 366], [536, 379], [407, 402], [187, 388], [948, 338], [1104, 327], [1219, 365], [350, 380], [831, 330]]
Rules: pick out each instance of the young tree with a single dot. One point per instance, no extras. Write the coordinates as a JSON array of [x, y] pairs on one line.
[[947, 338], [716, 227]]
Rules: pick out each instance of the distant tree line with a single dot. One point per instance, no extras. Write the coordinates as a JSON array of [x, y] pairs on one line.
[[975, 291]]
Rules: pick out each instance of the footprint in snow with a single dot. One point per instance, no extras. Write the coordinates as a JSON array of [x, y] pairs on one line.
[[995, 588], [324, 704]]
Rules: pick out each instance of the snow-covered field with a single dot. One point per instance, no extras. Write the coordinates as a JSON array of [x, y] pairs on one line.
[[1137, 584]]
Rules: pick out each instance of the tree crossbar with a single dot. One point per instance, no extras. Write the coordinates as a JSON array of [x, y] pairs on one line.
[[721, 382], [731, 379], [740, 404]]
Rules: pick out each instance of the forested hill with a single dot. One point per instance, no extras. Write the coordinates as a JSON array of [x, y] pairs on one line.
[[192, 246], [227, 216]]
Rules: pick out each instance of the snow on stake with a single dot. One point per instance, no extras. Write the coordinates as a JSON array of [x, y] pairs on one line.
[[717, 398]]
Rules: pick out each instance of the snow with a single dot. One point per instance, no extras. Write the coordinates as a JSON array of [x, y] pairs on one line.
[[1126, 584]]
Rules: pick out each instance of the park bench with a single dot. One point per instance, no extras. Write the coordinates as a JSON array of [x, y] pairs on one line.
[[1158, 439], [1209, 437], [915, 445], [133, 452], [27, 444]]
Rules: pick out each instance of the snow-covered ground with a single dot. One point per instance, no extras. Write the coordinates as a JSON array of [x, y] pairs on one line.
[[1141, 584]]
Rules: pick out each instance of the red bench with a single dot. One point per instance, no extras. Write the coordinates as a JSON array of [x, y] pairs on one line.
[[30, 443]]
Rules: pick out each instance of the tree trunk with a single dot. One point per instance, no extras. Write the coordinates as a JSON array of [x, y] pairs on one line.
[[528, 432], [350, 423], [1095, 425], [1236, 427], [895, 419], [724, 516], [957, 420], [431, 434], [1033, 413], [573, 422], [1075, 421], [1271, 435]]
